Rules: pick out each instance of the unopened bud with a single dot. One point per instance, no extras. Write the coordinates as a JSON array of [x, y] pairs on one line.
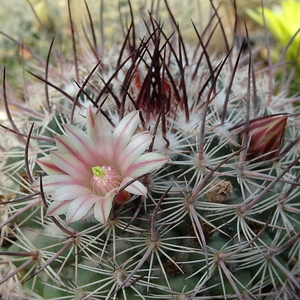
[[266, 137]]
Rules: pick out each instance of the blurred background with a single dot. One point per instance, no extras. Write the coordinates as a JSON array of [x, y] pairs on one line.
[[28, 26], [27, 21]]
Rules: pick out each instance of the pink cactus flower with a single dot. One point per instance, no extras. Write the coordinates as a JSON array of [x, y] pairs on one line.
[[90, 168], [266, 137]]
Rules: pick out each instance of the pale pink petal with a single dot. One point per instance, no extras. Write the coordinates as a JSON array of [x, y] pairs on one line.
[[53, 182], [82, 143], [70, 165], [124, 131], [79, 207], [48, 166], [146, 163], [136, 188], [70, 192], [99, 129], [103, 207], [58, 208], [64, 144], [135, 148]]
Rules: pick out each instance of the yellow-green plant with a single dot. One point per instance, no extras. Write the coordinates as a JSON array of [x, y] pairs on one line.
[[283, 23]]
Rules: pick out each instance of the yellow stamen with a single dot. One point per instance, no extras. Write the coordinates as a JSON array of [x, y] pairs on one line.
[[97, 171]]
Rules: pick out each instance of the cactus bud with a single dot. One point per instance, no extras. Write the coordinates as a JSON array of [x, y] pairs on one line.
[[266, 137]]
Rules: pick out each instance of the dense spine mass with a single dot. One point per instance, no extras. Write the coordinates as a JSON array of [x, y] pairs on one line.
[[221, 216]]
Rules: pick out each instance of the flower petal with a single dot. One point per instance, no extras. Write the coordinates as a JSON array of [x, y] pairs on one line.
[[146, 163], [124, 131], [136, 188], [79, 207], [82, 143], [64, 144], [103, 207], [135, 148], [69, 192], [49, 167], [100, 131], [71, 165], [53, 182], [57, 208]]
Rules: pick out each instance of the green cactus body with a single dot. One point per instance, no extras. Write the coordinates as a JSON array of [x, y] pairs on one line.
[[165, 172]]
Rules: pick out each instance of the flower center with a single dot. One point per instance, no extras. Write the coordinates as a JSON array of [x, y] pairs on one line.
[[105, 179]]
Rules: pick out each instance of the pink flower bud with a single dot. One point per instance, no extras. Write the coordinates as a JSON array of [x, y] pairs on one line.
[[266, 137]]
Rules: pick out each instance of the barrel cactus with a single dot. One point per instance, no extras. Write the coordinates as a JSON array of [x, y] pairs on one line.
[[160, 171]]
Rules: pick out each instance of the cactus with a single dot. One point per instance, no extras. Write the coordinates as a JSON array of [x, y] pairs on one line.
[[163, 172]]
